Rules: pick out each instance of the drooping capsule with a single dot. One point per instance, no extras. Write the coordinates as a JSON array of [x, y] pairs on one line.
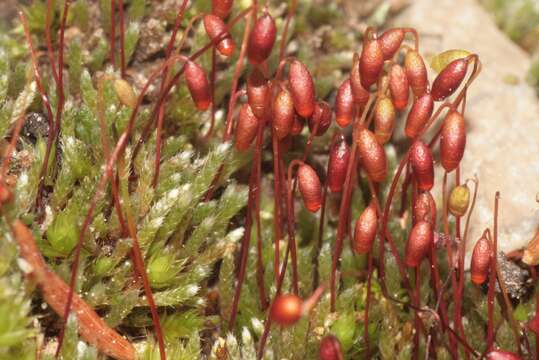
[[390, 41], [398, 87], [301, 88], [365, 230], [261, 39], [198, 85], [449, 79], [344, 104], [419, 243], [502, 355], [371, 62], [452, 141], [218, 32], [321, 115], [416, 72], [424, 208], [339, 156], [384, 119], [459, 200], [419, 115], [480, 263], [330, 348], [283, 113], [286, 309], [297, 125], [246, 129], [221, 8], [372, 155], [257, 92], [360, 95], [310, 188], [422, 165]]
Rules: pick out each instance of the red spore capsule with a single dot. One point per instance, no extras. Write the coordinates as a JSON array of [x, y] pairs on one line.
[[372, 154], [286, 309], [384, 119], [283, 113], [339, 155], [425, 208], [419, 115], [246, 129], [419, 243], [217, 31], [257, 92], [309, 187], [399, 87], [344, 104], [365, 230], [297, 125], [452, 141], [360, 95], [198, 85], [480, 262], [321, 115], [502, 355], [261, 39], [330, 349], [371, 63], [302, 88], [422, 165], [416, 72], [449, 79], [221, 8], [390, 41]]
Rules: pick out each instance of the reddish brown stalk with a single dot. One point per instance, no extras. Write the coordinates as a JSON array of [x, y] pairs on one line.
[[289, 15], [277, 223], [112, 38], [490, 298], [367, 306], [48, 40], [415, 354], [212, 85], [122, 37]]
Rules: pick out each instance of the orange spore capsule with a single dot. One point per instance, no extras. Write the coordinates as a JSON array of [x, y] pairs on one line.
[[416, 72], [321, 115], [452, 141], [257, 92], [384, 119], [419, 243], [221, 8], [301, 88], [198, 85], [339, 156], [372, 154], [286, 309], [399, 87], [425, 208], [502, 355], [297, 125], [390, 41], [360, 95], [449, 79], [344, 104], [283, 113], [480, 263], [261, 39], [422, 165], [216, 29], [365, 230], [371, 62], [246, 129], [330, 349], [309, 187], [419, 115]]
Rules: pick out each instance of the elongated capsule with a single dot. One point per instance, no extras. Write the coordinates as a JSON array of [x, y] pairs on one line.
[[321, 115], [452, 141], [365, 230], [480, 263], [217, 31], [384, 119], [459, 200], [125, 93], [371, 63], [301, 88], [372, 154], [330, 348], [283, 114], [246, 129], [339, 156], [425, 208], [297, 125], [419, 243], [360, 95], [309, 187], [390, 42], [422, 165], [286, 309], [221, 8], [502, 355], [416, 72], [261, 39], [399, 87], [419, 115], [198, 85], [344, 104], [449, 79], [257, 92]]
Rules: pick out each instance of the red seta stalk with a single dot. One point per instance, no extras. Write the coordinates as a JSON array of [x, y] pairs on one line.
[[112, 38]]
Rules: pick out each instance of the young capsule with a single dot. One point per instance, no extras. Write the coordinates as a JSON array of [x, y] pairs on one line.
[[283, 114], [419, 243], [221, 8], [246, 129], [339, 156], [422, 165], [330, 348], [125, 93], [365, 230], [198, 85], [372, 154], [452, 141], [309, 187], [360, 95], [302, 88], [286, 309], [217, 31], [425, 208], [344, 104], [419, 115], [297, 125], [416, 72], [371, 63], [261, 39], [384, 119], [322, 116], [390, 42], [449, 79], [480, 263], [257, 92], [459, 200], [399, 87]]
